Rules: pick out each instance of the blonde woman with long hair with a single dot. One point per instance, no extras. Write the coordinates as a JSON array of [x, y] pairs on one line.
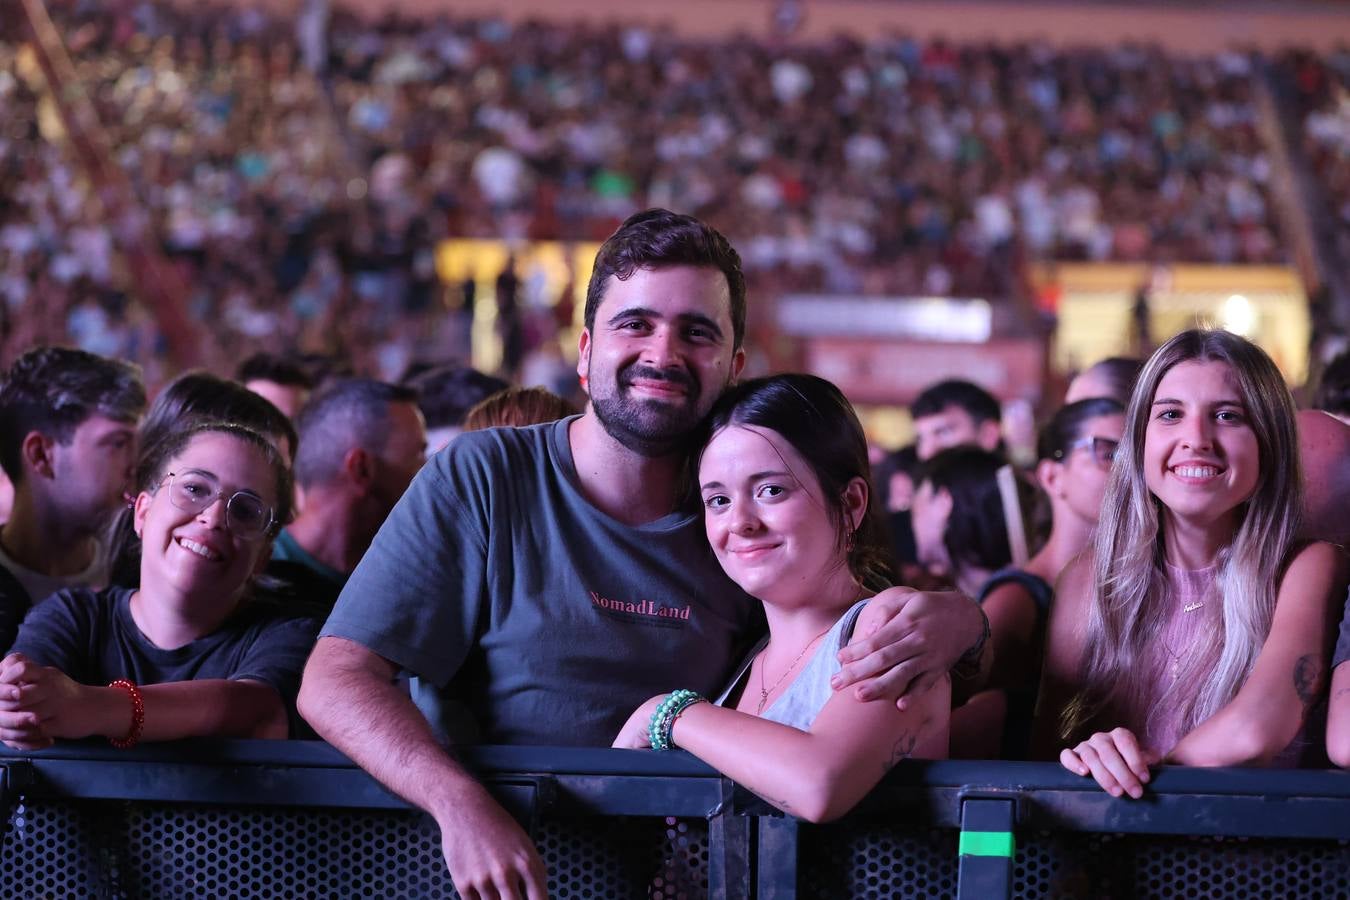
[[1197, 630]]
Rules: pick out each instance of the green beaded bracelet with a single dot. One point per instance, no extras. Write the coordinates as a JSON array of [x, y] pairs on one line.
[[660, 727], [663, 719]]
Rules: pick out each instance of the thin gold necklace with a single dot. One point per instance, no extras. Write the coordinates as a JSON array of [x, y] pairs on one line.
[[1175, 666], [763, 691]]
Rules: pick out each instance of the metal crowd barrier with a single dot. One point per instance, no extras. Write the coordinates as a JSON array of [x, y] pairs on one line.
[[298, 820]]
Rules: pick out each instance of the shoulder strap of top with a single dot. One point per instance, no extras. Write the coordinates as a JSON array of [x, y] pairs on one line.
[[848, 622], [1039, 589]]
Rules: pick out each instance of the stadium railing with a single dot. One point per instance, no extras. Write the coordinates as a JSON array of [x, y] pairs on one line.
[[297, 819]]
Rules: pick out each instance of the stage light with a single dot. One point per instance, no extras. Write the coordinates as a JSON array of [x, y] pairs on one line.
[[1238, 315]]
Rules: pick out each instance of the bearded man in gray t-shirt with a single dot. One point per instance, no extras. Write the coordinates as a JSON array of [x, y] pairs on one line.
[[541, 583]]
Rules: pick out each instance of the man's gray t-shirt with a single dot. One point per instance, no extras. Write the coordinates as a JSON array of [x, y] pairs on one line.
[[495, 581]]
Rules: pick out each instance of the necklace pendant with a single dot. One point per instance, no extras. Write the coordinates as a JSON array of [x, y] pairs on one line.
[[1192, 607], [763, 700]]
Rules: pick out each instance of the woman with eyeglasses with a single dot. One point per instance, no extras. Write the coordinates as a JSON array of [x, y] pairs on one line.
[[188, 653], [1074, 455], [189, 399]]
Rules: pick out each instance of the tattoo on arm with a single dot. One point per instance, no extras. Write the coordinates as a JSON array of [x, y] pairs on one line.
[[1342, 692], [903, 748], [967, 664], [1308, 673], [780, 804]]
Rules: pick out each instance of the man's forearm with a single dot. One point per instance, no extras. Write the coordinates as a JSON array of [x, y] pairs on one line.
[[348, 695], [370, 719]]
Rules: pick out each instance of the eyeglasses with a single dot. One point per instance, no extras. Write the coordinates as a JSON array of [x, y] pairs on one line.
[[1103, 450], [246, 516]]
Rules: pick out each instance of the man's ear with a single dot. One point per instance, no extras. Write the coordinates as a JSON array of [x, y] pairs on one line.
[[36, 451], [584, 359], [139, 510], [359, 467], [988, 434], [855, 502], [737, 365]]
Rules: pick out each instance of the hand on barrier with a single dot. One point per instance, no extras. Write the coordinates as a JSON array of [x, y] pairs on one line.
[[636, 732], [40, 703], [924, 634], [488, 854], [20, 727], [1115, 759]]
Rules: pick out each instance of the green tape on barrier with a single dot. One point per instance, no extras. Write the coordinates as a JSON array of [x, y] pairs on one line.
[[987, 843]]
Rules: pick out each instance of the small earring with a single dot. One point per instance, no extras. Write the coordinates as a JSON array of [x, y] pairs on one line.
[[851, 542]]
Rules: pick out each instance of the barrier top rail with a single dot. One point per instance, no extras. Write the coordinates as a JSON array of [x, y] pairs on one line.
[[1179, 800]]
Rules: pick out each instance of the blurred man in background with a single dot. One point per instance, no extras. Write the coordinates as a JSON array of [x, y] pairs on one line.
[[445, 395], [68, 443], [361, 443], [951, 413]]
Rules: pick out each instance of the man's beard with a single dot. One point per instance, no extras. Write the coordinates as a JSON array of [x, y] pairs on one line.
[[650, 427]]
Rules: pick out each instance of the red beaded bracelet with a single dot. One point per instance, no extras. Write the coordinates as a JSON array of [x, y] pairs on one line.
[[137, 715]]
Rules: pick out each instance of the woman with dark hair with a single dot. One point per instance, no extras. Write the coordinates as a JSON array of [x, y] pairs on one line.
[[188, 653], [1074, 453], [191, 398], [895, 480], [970, 515], [784, 480], [198, 396]]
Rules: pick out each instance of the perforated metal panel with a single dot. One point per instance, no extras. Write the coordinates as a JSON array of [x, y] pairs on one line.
[[1176, 867], [63, 849], [864, 860], [868, 861], [60, 849]]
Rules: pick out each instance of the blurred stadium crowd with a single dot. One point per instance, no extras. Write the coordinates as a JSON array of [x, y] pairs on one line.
[[303, 192]]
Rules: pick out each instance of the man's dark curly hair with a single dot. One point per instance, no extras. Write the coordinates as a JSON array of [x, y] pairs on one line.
[[659, 238], [53, 390]]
